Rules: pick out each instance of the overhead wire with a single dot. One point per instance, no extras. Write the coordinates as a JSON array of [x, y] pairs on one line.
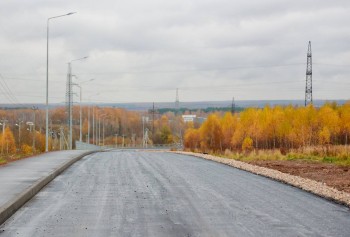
[[8, 93]]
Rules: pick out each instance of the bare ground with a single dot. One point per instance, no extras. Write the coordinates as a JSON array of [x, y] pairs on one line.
[[333, 175]]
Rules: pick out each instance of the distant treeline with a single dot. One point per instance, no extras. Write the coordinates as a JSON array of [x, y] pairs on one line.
[[206, 110]]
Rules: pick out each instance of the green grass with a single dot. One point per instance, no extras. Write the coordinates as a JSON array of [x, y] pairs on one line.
[[2, 161], [335, 156]]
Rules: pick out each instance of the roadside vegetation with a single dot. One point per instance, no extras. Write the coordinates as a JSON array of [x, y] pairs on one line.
[[21, 135], [277, 133]]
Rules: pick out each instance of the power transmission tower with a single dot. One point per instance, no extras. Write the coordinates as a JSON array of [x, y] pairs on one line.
[[308, 88], [177, 102], [233, 106], [154, 112], [69, 105]]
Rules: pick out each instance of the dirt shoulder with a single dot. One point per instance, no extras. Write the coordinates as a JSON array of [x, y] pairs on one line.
[[333, 175]]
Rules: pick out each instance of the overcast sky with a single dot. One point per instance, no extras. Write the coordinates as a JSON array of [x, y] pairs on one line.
[[144, 50]]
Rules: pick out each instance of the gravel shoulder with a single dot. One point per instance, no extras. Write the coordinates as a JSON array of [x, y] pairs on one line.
[[277, 172]]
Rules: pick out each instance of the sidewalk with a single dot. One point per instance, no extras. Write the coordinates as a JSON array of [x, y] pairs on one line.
[[21, 180]]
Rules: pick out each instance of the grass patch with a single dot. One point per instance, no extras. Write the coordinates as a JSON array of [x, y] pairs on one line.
[[338, 155]]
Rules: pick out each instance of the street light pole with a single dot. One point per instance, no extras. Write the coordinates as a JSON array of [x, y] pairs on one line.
[[19, 133], [80, 120], [81, 100], [103, 132], [93, 125], [80, 112], [99, 127], [34, 132], [93, 120], [47, 79]]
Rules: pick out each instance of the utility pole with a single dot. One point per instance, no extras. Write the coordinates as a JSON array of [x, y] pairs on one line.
[[81, 114], [233, 106], [99, 131], [177, 101], [143, 131], [153, 120], [34, 132], [101, 116], [88, 135], [103, 132], [3, 123], [153, 111], [308, 87], [19, 133], [61, 138], [145, 139], [93, 124], [69, 103], [133, 138]]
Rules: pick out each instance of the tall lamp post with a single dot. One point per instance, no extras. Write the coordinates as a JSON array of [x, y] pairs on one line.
[[99, 127], [47, 78], [80, 112], [34, 108], [19, 133], [93, 121]]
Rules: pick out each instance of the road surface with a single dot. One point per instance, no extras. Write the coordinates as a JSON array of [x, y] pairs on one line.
[[138, 193], [17, 176]]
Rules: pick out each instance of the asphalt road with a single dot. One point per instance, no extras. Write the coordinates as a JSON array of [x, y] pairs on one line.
[[15, 177], [132, 193]]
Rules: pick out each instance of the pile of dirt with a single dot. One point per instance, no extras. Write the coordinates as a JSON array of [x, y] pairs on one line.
[[334, 176]]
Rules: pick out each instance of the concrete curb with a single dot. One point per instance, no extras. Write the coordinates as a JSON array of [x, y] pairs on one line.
[[9, 208], [311, 186]]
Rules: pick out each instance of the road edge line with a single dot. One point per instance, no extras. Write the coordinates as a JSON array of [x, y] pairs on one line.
[[317, 188], [10, 207]]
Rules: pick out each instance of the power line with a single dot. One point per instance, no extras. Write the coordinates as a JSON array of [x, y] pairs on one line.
[[8, 93]]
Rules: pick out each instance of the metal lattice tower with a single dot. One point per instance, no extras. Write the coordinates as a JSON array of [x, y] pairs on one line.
[[177, 102], [69, 105], [308, 88], [233, 106]]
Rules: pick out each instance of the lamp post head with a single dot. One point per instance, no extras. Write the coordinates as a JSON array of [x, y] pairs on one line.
[[78, 59], [71, 13]]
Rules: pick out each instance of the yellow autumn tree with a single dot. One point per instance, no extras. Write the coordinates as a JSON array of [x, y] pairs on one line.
[[228, 126], [192, 139], [211, 133], [344, 117], [247, 144], [7, 142]]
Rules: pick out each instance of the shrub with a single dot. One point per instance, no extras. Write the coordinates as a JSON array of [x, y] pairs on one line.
[[26, 149], [247, 144]]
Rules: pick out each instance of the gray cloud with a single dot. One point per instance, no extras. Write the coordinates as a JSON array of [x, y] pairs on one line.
[[143, 50]]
